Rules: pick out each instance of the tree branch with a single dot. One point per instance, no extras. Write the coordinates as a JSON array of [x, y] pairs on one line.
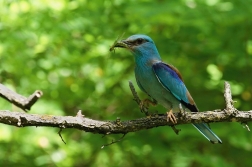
[[22, 119], [19, 100]]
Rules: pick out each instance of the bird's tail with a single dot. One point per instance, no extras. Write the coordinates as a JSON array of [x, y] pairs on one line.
[[205, 131]]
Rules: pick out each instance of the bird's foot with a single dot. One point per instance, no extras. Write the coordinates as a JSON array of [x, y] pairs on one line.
[[144, 105], [171, 117]]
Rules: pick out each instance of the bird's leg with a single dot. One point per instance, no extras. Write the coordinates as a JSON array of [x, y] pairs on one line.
[[182, 112], [171, 117], [144, 104]]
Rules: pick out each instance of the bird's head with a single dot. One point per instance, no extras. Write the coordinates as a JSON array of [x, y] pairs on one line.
[[142, 46]]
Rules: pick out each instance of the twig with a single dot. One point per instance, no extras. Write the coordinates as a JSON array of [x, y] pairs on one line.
[[230, 109], [19, 100], [113, 142], [245, 125], [80, 115], [142, 107], [32, 99], [134, 93], [60, 135], [175, 129]]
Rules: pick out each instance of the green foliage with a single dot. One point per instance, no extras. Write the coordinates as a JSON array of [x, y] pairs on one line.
[[62, 48]]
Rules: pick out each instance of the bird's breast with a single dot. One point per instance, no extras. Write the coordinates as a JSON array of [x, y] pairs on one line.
[[147, 79]]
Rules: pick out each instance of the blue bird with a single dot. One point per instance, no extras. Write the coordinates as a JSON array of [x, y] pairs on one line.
[[162, 82]]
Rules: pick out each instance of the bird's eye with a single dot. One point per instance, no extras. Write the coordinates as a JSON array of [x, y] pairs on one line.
[[139, 41]]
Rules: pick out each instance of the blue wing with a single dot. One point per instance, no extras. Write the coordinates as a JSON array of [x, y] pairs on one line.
[[171, 80]]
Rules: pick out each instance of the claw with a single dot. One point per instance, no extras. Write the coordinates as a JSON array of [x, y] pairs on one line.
[[171, 117]]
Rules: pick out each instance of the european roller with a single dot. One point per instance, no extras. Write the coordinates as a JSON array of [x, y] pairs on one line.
[[161, 81]]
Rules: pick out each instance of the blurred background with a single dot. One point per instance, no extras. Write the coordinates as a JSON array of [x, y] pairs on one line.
[[62, 48]]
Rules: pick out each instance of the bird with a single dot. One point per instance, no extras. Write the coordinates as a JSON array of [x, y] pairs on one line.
[[161, 81]]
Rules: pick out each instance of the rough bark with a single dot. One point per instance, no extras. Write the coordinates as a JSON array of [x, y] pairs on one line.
[[23, 119]]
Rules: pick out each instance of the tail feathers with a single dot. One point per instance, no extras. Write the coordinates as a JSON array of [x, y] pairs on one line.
[[205, 131]]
